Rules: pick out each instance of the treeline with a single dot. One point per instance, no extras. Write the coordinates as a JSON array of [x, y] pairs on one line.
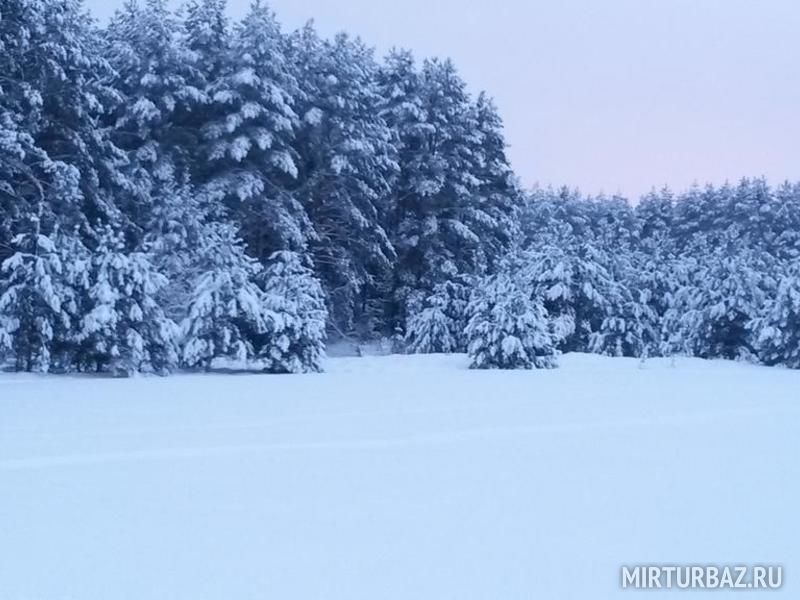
[[177, 189], [712, 273]]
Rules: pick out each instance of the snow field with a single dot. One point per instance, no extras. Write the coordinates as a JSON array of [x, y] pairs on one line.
[[407, 477]]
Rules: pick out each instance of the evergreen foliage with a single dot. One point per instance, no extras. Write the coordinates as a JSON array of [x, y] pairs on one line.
[[268, 189], [508, 329], [226, 311], [37, 306], [777, 331], [295, 315], [124, 329]]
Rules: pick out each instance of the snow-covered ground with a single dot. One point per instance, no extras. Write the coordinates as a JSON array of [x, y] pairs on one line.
[[399, 477]]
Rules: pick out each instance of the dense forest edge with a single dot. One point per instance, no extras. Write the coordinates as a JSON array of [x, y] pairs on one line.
[[177, 189]]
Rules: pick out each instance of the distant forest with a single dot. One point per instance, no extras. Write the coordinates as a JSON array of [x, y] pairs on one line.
[[177, 190]]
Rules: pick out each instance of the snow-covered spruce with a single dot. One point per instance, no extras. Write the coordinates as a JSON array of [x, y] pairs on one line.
[[248, 158], [272, 318], [295, 316], [160, 89], [346, 169], [631, 325], [226, 306], [453, 202], [124, 330], [678, 295], [778, 330], [628, 331], [576, 287], [507, 329], [726, 293], [438, 326], [36, 306], [431, 329]]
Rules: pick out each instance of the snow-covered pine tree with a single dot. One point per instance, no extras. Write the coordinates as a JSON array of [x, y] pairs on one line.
[[654, 217], [7, 325], [429, 331], [554, 217], [403, 109], [752, 210], [226, 311], [438, 324], [206, 33], [294, 341], [653, 285], [444, 216], [508, 329], [124, 330], [679, 294], [576, 287], [546, 271], [787, 222], [727, 293], [21, 183], [631, 325], [691, 215], [161, 91], [54, 89], [50, 96], [37, 305], [347, 166], [250, 161], [180, 218], [613, 222], [777, 331], [701, 217], [499, 195], [630, 328], [20, 189]]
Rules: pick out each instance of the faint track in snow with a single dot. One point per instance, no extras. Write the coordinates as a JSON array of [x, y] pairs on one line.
[[501, 434], [262, 423]]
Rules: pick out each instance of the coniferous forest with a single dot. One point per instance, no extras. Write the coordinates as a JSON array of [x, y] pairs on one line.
[[178, 189]]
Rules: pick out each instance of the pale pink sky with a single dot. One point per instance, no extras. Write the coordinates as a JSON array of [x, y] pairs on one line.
[[611, 95]]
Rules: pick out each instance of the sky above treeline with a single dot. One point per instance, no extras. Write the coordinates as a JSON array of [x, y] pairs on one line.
[[616, 96]]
